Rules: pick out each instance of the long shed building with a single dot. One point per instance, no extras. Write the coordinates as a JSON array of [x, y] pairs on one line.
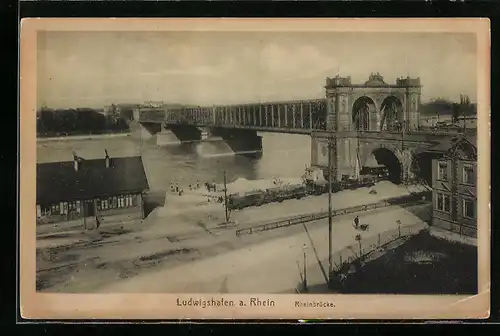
[[87, 190]]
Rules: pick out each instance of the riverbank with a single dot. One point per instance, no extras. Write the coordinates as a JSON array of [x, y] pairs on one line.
[[83, 137]]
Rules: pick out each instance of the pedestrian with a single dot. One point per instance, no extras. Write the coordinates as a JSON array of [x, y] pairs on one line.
[[197, 184], [177, 187], [356, 221], [190, 187]]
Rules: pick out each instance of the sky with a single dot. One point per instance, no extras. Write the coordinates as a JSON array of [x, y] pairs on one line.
[[94, 69]]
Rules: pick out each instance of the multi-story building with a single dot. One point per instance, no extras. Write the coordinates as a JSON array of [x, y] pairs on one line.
[[89, 190], [454, 184]]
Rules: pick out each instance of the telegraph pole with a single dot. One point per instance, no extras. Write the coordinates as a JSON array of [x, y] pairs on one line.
[[403, 126], [330, 146], [463, 114], [225, 198]]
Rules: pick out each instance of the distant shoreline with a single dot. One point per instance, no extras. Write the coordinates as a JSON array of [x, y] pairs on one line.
[[83, 137]]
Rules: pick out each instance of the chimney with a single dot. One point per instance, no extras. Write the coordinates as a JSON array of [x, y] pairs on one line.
[[76, 163], [107, 158]]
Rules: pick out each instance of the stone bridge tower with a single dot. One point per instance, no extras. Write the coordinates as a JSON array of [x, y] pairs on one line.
[[354, 110]]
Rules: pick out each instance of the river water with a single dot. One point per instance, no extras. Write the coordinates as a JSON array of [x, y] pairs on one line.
[[284, 155]]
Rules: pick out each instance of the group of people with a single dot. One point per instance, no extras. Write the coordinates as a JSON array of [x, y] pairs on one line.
[[218, 199], [177, 189]]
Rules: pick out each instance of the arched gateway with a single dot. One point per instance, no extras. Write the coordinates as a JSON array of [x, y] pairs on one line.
[[361, 116]]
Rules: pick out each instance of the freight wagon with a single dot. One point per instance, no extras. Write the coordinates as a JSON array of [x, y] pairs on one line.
[[280, 194]]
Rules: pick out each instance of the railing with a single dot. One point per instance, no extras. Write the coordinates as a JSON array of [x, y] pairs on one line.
[[413, 199], [424, 132], [402, 135], [366, 246], [364, 249]]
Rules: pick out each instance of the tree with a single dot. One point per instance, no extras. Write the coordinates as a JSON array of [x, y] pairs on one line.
[[77, 121]]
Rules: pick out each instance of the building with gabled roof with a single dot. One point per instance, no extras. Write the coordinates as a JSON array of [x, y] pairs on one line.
[[454, 184], [90, 189]]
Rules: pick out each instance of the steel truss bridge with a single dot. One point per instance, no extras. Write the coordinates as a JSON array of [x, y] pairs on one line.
[[294, 117]]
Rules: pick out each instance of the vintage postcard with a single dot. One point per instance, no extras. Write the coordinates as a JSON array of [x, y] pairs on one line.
[[255, 168]]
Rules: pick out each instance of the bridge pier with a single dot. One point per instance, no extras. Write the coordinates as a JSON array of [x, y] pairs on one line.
[[213, 140], [149, 130], [239, 141], [167, 137], [176, 134]]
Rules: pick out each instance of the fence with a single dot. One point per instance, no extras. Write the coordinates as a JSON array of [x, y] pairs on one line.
[[364, 247], [341, 260], [412, 199]]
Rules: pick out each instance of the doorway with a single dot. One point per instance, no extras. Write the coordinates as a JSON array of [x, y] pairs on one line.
[[88, 209]]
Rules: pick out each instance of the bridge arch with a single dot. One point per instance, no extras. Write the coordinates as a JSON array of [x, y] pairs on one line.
[[391, 159], [392, 111], [363, 112]]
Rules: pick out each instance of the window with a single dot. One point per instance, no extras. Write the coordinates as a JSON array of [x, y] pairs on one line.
[[72, 206], [468, 174], [103, 204], [122, 201], [63, 208], [54, 208], [45, 210], [468, 208], [443, 202], [442, 171]]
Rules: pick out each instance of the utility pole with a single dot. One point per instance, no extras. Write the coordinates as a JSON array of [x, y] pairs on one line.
[[225, 198], [330, 146], [403, 126], [305, 268], [464, 106]]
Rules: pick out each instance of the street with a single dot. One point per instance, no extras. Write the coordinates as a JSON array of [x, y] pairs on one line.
[[170, 236], [271, 266]]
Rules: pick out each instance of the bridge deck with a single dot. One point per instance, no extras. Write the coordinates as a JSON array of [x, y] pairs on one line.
[[295, 117]]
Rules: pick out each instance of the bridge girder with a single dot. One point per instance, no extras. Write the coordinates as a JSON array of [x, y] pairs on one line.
[[291, 116]]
